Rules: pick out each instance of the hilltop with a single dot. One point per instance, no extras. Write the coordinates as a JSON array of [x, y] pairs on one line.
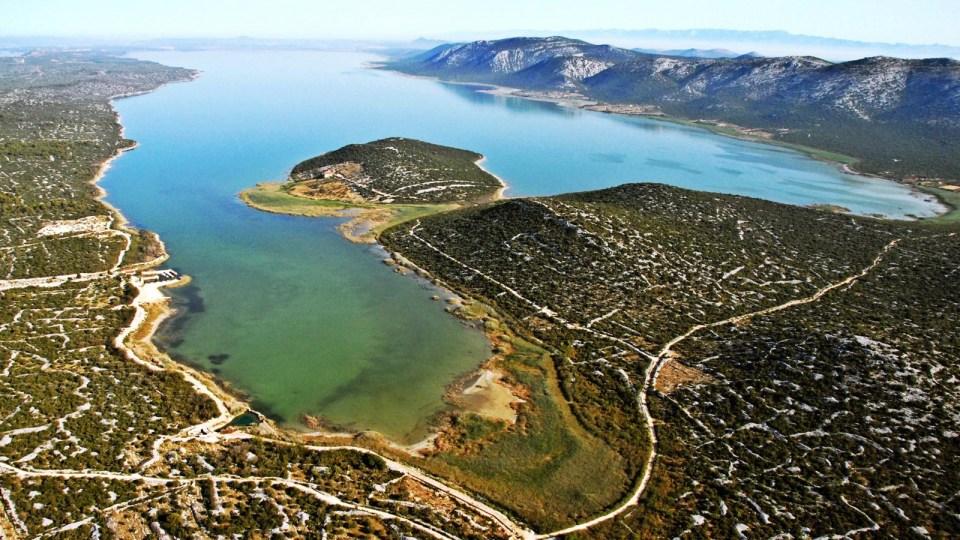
[[736, 353], [542, 63], [897, 117], [378, 184], [394, 170]]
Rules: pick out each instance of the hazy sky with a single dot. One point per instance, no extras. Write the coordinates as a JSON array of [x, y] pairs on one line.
[[916, 21]]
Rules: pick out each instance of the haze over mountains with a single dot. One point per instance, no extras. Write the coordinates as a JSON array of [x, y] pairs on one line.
[[901, 117], [705, 43], [766, 43]]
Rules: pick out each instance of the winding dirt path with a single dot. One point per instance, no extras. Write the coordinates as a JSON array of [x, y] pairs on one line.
[[653, 371], [207, 431], [302, 486], [653, 368]]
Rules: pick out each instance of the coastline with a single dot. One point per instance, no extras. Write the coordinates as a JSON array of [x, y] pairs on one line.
[[500, 193], [458, 391], [121, 221], [151, 305], [846, 164]]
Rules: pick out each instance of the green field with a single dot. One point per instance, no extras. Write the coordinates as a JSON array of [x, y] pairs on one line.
[[272, 197], [546, 468]]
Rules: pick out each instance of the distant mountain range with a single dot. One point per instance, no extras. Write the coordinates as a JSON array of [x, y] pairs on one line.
[[899, 117], [699, 53], [766, 43]]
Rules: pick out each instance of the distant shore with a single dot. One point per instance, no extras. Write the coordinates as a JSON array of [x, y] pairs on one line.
[[947, 212]]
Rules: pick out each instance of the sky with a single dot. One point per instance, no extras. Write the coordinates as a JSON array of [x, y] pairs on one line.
[[905, 21]]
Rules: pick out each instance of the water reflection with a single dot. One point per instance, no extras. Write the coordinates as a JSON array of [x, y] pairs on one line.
[[477, 94]]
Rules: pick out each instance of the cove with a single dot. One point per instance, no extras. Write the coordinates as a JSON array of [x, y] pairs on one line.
[[304, 322]]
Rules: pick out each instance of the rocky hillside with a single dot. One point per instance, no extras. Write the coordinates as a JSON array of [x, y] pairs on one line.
[[798, 388], [899, 117], [879, 88], [547, 63]]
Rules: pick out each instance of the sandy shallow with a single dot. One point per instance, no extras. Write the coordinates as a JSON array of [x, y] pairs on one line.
[[488, 396]]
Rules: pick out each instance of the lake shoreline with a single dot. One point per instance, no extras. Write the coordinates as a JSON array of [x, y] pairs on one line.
[[154, 309], [152, 306], [842, 162], [500, 193], [364, 225], [365, 220]]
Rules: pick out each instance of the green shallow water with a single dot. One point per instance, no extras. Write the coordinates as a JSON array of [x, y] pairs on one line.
[[304, 322]]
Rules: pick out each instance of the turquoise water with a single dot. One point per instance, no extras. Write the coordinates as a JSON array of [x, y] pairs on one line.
[[305, 322]]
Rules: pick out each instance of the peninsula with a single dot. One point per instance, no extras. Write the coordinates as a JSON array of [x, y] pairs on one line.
[[379, 184]]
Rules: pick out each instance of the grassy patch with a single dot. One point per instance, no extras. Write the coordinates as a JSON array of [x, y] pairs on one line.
[[369, 219], [951, 199], [546, 468], [406, 212], [272, 197]]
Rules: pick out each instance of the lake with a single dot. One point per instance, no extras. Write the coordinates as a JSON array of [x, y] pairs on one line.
[[304, 322]]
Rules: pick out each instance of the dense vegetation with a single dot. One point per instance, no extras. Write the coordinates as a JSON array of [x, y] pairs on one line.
[[395, 170], [808, 418]]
